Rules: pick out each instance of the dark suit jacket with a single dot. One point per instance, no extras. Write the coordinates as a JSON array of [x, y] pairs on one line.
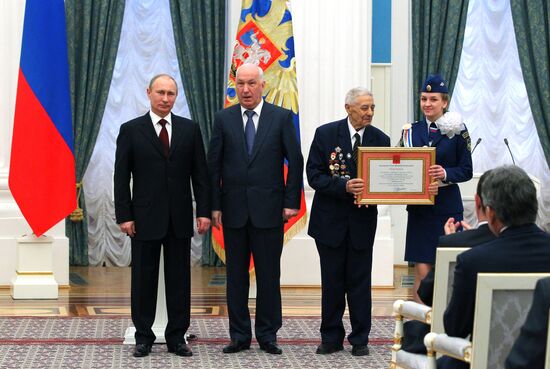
[[529, 350], [253, 187], [161, 188], [523, 249], [453, 154], [470, 238], [333, 212]]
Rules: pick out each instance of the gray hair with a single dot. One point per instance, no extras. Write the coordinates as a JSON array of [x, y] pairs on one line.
[[482, 179], [162, 75], [510, 192], [355, 92], [260, 70]]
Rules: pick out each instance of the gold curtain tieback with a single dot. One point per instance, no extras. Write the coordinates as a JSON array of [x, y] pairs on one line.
[[78, 214]]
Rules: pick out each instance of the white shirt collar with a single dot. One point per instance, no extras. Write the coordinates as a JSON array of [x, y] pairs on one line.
[[155, 118], [257, 109], [352, 131]]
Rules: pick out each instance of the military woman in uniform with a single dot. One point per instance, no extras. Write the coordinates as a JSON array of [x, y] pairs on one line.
[[447, 133]]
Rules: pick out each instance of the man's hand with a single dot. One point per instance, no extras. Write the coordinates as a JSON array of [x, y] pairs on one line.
[[202, 225], [451, 226], [355, 186], [216, 219], [433, 188], [437, 172], [289, 213], [129, 228]]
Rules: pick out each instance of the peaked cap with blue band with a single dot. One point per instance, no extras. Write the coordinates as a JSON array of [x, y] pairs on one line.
[[435, 83]]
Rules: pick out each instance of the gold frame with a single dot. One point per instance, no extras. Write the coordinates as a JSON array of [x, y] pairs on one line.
[[426, 154]]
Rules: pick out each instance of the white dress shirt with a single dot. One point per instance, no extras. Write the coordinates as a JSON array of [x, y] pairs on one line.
[[155, 118]]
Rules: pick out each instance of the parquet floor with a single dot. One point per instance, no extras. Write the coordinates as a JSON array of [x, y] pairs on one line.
[[106, 291]]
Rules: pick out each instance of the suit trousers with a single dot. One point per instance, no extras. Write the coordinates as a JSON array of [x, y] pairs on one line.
[[145, 271], [266, 246], [345, 272]]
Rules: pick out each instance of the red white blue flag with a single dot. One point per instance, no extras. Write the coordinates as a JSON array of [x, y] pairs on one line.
[[42, 168], [265, 38]]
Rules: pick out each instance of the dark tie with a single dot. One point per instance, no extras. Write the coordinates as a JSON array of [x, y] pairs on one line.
[[432, 132], [163, 136], [356, 147], [249, 131]]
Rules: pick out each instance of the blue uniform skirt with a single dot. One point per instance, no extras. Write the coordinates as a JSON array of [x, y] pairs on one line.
[[423, 232]]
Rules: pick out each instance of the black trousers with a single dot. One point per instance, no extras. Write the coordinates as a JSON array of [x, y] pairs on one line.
[[345, 272], [145, 271], [266, 246]]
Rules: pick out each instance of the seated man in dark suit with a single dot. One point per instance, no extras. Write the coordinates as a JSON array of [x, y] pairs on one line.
[[529, 349], [510, 201], [414, 331]]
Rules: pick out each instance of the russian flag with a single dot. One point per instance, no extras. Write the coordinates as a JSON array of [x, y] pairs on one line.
[[42, 167]]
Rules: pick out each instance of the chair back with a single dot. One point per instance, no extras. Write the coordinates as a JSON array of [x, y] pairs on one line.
[[503, 301], [445, 263]]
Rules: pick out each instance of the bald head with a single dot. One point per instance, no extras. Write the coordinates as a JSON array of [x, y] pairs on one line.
[[249, 83]]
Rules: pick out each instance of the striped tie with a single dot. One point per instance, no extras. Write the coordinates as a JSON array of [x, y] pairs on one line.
[[356, 147]]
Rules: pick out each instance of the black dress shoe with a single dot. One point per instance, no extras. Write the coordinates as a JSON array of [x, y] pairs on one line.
[[142, 349], [181, 349], [271, 348], [236, 346], [360, 350], [328, 348]]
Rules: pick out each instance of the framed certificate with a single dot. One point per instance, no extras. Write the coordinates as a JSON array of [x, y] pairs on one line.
[[395, 175]]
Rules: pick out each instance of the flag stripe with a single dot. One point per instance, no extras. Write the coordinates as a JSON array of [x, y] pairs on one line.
[[40, 168], [44, 61]]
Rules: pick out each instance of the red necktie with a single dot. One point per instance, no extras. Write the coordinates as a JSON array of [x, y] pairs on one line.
[[163, 136]]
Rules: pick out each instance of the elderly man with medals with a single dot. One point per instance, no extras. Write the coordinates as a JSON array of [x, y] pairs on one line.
[[447, 133], [344, 232]]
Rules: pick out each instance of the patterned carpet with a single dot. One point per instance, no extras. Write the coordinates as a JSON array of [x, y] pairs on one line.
[[41, 343]]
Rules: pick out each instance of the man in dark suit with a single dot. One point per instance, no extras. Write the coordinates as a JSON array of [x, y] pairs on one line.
[[161, 154], [510, 202], [452, 238], [249, 144], [529, 350], [344, 232]]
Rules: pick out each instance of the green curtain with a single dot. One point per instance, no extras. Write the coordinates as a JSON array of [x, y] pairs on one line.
[[437, 36], [199, 33], [93, 33], [532, 27]]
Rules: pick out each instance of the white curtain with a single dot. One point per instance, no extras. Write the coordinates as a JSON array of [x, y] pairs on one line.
[[491, 96], [146, 48]]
